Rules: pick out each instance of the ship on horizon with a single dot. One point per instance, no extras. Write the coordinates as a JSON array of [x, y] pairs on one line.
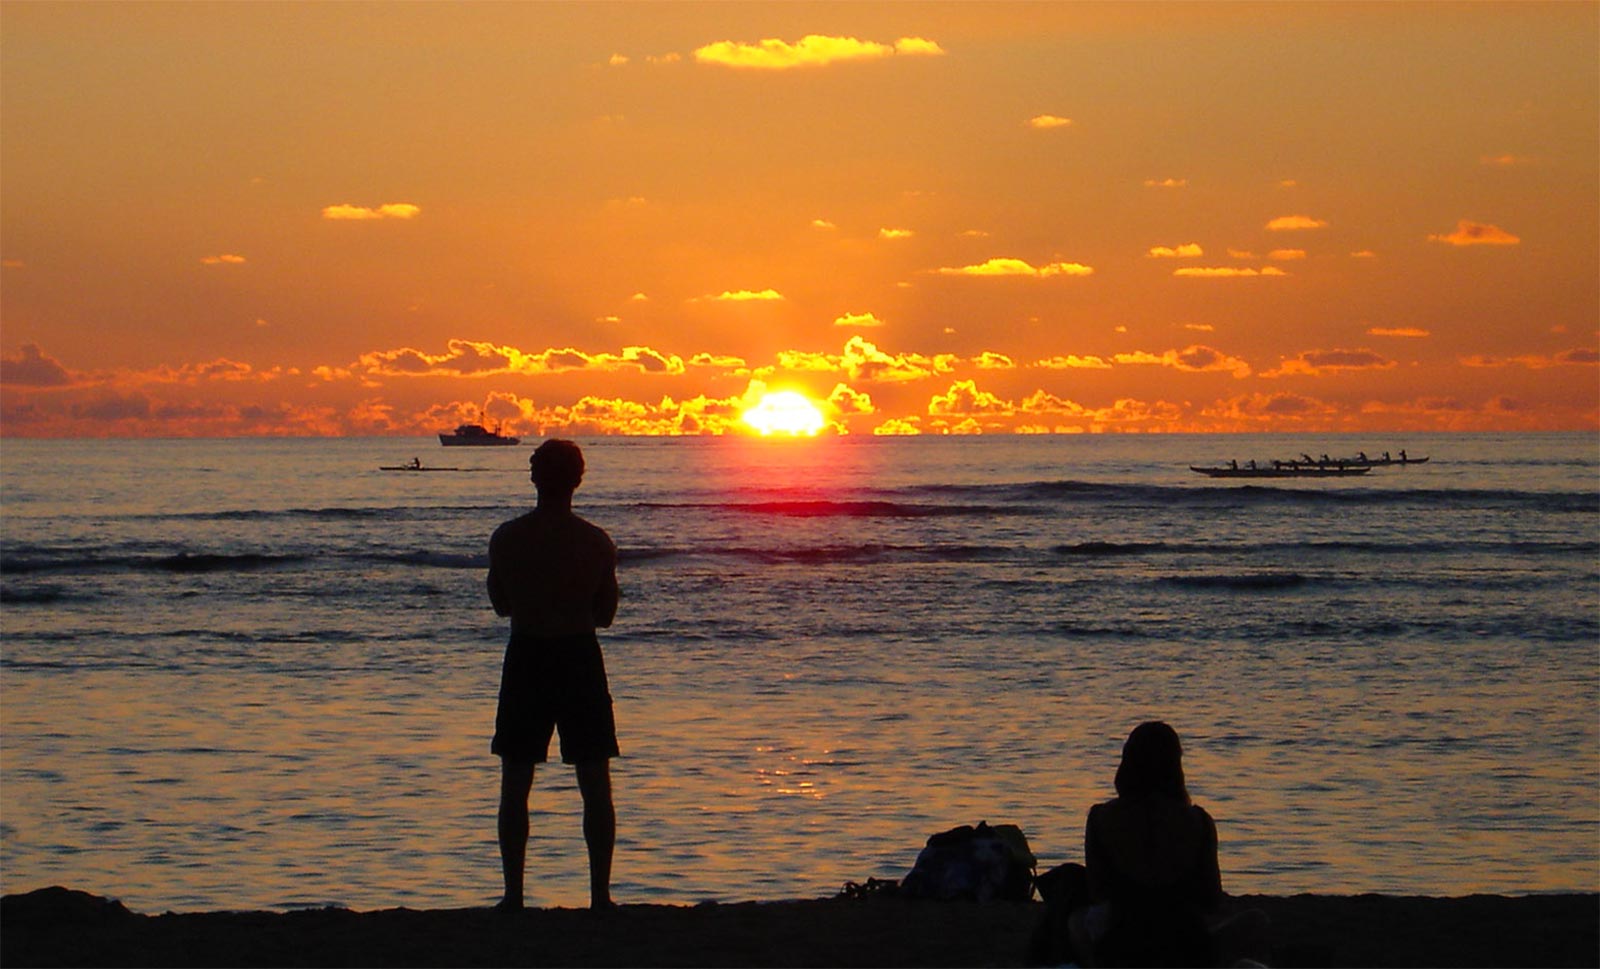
[[476, 435]]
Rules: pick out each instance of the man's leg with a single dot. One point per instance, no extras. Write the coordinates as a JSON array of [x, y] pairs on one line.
[[599, 828], [516, 780]]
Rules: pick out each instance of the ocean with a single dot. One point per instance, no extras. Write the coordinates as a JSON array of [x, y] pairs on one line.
[[261, 674]]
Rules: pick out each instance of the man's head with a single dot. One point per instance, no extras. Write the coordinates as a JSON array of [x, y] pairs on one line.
[[556, 466]]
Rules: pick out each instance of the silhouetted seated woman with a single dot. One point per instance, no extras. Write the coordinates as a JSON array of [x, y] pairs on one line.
[[1154, 882]]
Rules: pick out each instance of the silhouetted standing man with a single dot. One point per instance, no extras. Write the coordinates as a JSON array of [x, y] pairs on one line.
[[555, 575]]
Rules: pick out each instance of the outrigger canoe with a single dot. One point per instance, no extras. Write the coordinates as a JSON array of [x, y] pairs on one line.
[[411, 467]]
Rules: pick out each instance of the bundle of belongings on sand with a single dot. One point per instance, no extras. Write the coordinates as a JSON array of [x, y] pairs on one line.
[[980, 864]]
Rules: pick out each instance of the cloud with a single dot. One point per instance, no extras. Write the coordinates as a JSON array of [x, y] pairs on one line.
[[1268, 410], [470, 358], [1469, 233], [31, 367], [719, 361], [1071, 361], [857, 319], [965, 399], [848, 401], [812, 50], [1398, 331], [1363, 254], [1578, 356], [219, 369], [617, 60], [1044, 403], [1005, 266], [391, 210], [862, 360], [1044, 122], [1291, 223], [225, 259], [1505, 161], [1286, 255], [1200, 327], [1186, 251], [1227, 272], [1314, 362], [895, 233], [990, 360], [112, 407], [745, 296], [823, 224], [898, 427], [1165, 182], [1191, 359]]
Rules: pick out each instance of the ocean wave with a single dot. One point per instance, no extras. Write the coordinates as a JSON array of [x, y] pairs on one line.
[[1247, 582], [213, 562], [832, 554], [44, 596], [182, 562], [827, 508], [1094, 549], [1369, 493]]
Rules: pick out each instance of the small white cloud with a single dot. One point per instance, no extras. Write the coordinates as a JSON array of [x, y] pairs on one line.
[[1469, 233], [1188, 250], [1227, 272], [746, 296], [812, 50], [1006, 266], [391, 210], [1291, 223], [1043, 122], [858, 319]]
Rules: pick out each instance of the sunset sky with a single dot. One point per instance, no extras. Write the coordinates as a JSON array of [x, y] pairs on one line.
[[353, 218]]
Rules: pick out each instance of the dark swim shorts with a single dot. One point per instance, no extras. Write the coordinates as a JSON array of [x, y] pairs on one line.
[[554, 684]]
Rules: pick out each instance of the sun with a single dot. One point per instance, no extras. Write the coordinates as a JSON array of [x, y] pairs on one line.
[[785, 412]]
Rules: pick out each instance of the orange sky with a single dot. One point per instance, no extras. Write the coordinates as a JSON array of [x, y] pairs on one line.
[[224, 219]]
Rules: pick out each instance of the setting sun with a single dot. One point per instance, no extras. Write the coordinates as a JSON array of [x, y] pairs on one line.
[[785, 412]]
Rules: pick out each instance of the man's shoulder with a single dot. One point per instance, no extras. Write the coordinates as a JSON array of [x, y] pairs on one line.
[[512, 525], [595, 532]]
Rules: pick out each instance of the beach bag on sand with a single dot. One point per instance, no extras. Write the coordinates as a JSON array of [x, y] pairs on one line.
[[979, 864]]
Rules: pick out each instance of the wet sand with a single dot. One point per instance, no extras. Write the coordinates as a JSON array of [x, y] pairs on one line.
[[57, 927]]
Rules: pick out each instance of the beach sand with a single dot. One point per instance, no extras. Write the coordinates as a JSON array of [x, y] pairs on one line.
[[58, 927]]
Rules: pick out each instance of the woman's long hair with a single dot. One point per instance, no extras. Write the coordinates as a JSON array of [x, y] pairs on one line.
[[1152, 764]]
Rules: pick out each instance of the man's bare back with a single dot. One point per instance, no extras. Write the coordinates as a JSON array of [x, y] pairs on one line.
[[553, 573]]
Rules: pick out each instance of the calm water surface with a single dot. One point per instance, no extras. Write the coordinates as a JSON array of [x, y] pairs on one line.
[[262, 673]]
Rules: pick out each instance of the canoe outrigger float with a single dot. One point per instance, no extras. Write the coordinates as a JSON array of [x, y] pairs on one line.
[[1285, 471]]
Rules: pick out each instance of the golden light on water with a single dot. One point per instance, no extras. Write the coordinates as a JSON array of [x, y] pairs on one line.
[[785, 412]]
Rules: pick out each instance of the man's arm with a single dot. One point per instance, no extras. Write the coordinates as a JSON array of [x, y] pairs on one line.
[[497, 593], [604, 606]]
